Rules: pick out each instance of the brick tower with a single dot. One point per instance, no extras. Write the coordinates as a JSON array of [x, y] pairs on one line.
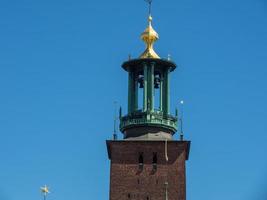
[[148, 164]]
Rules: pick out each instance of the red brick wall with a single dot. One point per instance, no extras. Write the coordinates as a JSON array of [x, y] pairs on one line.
[[127, 181]]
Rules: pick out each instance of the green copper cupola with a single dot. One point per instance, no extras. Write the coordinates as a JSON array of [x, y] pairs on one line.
[[148, 116]]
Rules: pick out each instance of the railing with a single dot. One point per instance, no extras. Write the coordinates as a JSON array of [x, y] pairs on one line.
[[149, 118]]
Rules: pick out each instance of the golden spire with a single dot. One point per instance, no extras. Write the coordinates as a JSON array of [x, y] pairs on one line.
[[149, 36]]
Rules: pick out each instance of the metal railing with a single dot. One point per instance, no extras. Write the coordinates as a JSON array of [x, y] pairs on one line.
[[149, 118]]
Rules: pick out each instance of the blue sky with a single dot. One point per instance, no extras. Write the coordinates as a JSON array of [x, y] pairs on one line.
[[60, 73]]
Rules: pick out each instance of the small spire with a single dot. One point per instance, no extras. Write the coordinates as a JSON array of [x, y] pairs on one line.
[[149, 36]]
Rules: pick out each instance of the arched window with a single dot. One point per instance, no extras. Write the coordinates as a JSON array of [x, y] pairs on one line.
[[157, 91], [155, 161], [141, 160], [140, 89]]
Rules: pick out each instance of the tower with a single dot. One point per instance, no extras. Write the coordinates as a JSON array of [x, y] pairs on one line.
[[148, 164]]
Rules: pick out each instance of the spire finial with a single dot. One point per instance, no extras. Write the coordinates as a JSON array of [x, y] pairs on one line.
[[149, 8], [149, 36]]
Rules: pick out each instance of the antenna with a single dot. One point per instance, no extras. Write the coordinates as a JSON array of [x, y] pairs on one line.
[[149, 8], [115, 121], [181, 120]]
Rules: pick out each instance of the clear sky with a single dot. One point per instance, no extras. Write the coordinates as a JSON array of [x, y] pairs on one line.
[[60, 73]]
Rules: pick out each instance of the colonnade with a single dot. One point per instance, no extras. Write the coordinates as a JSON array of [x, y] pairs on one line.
[[148, 84]]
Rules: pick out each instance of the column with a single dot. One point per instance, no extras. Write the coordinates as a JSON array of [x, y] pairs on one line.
[[150, 86], [145, 88], [130, 92], [161, 91], [136, 92], [166, 92]]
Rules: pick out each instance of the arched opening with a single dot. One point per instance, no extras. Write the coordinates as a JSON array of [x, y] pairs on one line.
[[140, 81], [155, 161], [157, 88], [141, 161]]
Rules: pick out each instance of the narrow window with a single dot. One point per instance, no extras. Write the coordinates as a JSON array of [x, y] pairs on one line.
[[140, 81], [141, 161], [155, 161], [129, 195], [157, 89]]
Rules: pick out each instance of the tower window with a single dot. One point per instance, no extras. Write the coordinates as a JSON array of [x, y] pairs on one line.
[[129, 195], [155, 161], [140, 89], [141, 161], [157, 91]]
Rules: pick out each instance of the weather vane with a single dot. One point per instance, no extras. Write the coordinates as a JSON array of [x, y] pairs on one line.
[[45, 191], [149, 2]]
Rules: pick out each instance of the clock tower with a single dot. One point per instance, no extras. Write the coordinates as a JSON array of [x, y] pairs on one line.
[[148, 163]]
